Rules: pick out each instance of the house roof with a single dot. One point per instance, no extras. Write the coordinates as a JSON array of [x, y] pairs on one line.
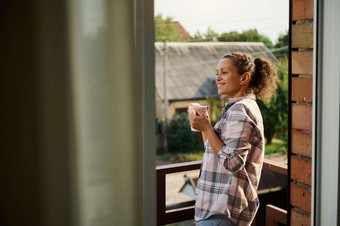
[[185, 34], [191, 66]]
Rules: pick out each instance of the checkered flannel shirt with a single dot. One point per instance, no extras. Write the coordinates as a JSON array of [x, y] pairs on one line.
[[228, 182]]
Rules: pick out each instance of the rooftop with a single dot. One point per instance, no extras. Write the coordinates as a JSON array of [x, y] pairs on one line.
[[191, 66]]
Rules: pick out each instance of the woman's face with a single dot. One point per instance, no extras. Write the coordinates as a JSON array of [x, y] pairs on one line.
[[228, 80]]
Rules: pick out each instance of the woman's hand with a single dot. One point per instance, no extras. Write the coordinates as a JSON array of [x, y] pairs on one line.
[[199, 121]]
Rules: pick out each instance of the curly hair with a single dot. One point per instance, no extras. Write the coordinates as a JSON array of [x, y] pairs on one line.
[[263, 74]]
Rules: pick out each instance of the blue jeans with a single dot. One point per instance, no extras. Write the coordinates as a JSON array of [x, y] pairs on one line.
[[216, 220]]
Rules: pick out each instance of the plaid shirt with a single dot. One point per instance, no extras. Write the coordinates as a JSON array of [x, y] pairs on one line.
[[228, 182]]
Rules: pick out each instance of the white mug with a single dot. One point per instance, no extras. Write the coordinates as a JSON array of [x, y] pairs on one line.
[[192, 108]]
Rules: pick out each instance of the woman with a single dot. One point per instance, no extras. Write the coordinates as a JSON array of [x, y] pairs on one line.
[[234, 148]]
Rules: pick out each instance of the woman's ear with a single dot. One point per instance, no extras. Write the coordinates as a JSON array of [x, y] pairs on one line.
[[245, 78]]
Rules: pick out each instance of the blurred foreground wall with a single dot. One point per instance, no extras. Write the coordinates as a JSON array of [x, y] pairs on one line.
[[77, 113]]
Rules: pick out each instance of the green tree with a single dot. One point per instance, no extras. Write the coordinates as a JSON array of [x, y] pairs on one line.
[[180, 137], [208, 36], [232, 36], [282, 42], [275, 113], [250, 35], [282, 99], [198, 37], [215, 108], [165, 29]]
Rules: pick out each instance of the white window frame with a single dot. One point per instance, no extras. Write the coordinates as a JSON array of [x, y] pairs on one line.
[[326, 113]]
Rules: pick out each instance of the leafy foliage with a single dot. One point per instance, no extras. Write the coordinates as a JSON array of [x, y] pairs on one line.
[[275, 114], [180, 137], [208, 36], [215, 108], [250, 35], [276, 146], [165, 29], [198, 37], [282, 41]]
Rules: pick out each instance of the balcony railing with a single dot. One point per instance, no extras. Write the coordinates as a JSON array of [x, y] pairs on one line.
[[185, 211], [275, 215]]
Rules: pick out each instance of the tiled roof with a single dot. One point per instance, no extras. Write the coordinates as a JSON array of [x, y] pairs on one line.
[[185, 34], [191, 66]]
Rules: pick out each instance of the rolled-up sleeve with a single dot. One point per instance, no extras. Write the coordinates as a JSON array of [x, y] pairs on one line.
[[236, 135]]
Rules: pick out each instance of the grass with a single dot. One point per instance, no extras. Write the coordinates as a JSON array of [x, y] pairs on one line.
[[167, 157], [195, 156], [186, 157], [277, 146]]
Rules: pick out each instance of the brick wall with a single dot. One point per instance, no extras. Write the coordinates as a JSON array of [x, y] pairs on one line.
[[301, 102]]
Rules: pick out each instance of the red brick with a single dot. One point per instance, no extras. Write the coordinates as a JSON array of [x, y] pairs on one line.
[[302, 116], [300, 197], [302, 35], [302, 89], [301, 143], [299, 219], [301, 170], [302, 10], [302, 62]]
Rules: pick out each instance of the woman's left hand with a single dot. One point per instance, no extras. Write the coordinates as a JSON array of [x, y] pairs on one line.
[[199, 121]]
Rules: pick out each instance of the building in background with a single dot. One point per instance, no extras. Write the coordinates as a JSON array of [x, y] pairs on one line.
[[190, 71], [184, 33]]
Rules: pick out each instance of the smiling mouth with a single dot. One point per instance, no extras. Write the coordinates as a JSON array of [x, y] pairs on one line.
[[221, 84]]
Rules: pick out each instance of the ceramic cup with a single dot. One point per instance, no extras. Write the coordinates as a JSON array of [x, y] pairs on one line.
[[192, 108]]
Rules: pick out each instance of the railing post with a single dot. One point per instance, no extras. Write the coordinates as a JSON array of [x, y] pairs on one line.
[[275, 215], [161, 202]]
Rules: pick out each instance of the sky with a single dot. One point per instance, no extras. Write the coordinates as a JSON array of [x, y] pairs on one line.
[[269, 17]]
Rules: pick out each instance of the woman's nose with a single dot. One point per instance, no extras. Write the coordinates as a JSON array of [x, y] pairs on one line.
[[218, 77]]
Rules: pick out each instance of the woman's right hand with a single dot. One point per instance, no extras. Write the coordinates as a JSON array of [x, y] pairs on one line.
[[200, 121]]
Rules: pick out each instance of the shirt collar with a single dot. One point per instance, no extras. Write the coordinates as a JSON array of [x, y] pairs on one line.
[[247, 96]]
